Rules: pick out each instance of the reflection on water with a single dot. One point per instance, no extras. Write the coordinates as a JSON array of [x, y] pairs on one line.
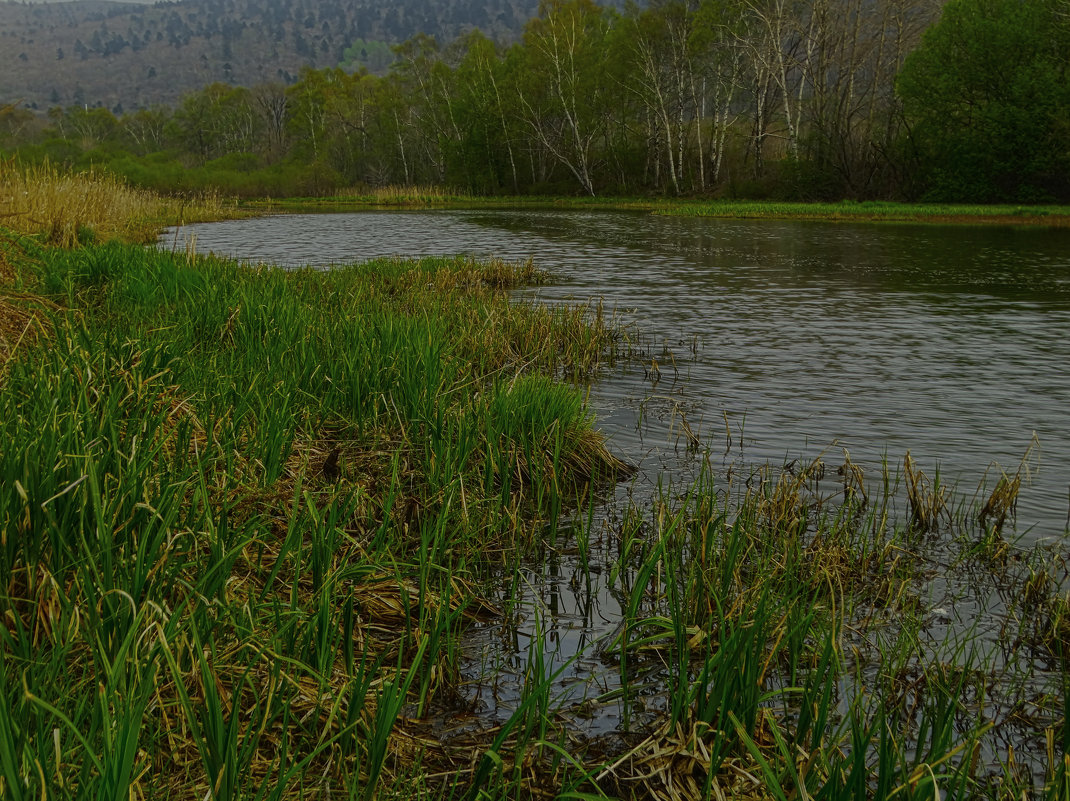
[[777, 341]]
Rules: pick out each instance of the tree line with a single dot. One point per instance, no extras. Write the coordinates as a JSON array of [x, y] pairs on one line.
[[819, 99]]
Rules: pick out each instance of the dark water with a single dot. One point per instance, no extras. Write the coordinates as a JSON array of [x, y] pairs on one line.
[[784, 340]]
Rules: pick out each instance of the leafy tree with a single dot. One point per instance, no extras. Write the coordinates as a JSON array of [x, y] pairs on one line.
[[425, 79], [144, 129], [216, 121], [91, 126], [659, 51], [566, 87], [988, 97], [489, 116], [307, 100]]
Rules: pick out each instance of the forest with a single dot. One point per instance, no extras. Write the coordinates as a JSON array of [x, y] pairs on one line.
[[967, 100]]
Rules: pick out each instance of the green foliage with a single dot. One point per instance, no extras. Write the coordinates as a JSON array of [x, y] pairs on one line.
[[725, 99], [988, 93]]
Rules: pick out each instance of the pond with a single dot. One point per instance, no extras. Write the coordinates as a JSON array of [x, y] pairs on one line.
[[775, 342]]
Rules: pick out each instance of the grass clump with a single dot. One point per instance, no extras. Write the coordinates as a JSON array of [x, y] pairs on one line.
[[244, 513], [69, 209]]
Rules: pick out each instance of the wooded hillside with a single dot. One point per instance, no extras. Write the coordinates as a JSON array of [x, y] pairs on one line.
[[783, 99], [124, 56]]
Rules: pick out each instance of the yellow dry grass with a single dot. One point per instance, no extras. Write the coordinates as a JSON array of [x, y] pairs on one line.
[[66, 208], [402, 195]]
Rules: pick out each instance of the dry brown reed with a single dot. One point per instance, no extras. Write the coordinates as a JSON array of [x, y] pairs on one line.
[[68, 208], [928, 498], [402, 195], [1003, 500], [854, 484], [672, 765]]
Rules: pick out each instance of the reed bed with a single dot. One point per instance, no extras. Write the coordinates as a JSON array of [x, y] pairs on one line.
[[71, 208]]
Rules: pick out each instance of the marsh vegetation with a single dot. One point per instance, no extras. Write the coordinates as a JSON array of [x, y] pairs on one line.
[[249, 518]]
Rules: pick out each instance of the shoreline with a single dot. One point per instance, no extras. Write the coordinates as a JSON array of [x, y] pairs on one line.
[[847, 211], [281, 497]]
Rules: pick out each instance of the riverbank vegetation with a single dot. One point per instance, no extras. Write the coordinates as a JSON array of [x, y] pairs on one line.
[[246, 513], [814, 101], [249, 518], [847, 211]]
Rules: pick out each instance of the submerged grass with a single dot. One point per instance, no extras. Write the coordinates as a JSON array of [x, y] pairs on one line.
[[786, 627]]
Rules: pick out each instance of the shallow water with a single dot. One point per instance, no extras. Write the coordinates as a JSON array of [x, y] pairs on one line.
[[775, 340]]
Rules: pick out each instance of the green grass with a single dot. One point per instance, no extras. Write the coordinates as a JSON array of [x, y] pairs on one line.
[[876, 211], [247, 516], [193, 601]]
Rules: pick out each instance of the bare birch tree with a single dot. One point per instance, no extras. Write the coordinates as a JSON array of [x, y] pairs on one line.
[[561, 101]]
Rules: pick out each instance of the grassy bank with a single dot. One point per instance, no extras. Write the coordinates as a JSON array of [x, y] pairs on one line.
[[245, 514], [84, 207]]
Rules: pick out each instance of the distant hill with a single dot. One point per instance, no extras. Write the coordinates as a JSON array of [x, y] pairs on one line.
[[124, 56]]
